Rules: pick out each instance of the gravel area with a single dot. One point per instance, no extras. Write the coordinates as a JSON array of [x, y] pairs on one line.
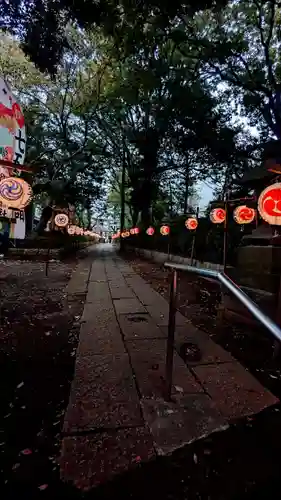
[[37, 353]]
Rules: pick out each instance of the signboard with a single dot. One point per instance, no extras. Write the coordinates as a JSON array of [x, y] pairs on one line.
[[12, 223], [12, 128], [269, 204]]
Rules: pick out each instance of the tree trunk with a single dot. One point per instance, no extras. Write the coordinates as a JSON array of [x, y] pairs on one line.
[[44, 219], [186, 193], [122, 195]]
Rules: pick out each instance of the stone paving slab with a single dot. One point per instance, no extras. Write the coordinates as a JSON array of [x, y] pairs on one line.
[[199, 348], [103, 394], [95, 309], [127, 448], [139, 326], [148, 359], [122, 292], [98, 272], [234, 390], [98, 291], [173, 426], [128, 306], [97, 338], [148, 296], [160, 315]]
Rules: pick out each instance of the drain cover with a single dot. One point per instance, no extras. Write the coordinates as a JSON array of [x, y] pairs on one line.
[[137, 319], [190, 352]]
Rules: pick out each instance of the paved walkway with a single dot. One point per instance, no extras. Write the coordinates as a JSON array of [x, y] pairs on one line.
[[117, 417]]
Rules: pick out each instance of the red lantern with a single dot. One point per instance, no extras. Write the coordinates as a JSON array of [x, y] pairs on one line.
[[150, 231], [218, 215], [134, 230], [269, 204], [165, 230], [191, 223], [244, 214]]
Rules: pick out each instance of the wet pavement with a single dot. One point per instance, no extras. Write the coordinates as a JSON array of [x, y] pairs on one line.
[[117, 417]]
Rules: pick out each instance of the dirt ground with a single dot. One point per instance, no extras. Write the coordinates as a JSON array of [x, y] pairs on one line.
[[37, 353]]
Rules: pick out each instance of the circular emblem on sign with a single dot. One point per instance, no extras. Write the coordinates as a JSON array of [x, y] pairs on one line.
[[218, 215], [12, 129], [244, 214], [269, 204], [165, 230], [15, 192], [61, 220], [191, 223], [150, 231]]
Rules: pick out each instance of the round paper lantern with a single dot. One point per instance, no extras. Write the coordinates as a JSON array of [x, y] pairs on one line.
[[134, 230], [125, 234], [12, 129], [165, 230], [61, 220], [150, 231], [218, 215], [244, 214], [71, 230], [15, 192], [269, 204], [191, 223]]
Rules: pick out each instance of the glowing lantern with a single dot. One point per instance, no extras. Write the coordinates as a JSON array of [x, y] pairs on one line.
[[165, 230], [125, 234], [12, 129], [134, 230], [244, 214], [191, 223], [71, 230], [15, 192], [150, 231], [61, 220], [269, 204], [218, 215]]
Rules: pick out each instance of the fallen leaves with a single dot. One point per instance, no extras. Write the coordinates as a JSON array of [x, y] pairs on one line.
[[26, 451]]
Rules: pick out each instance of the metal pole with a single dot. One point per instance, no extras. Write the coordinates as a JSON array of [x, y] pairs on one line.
[[171, 337], [47, 261], [225, 233], [169, 245], [193, 239]]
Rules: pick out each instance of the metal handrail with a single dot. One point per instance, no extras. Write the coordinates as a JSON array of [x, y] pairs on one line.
[[250, 305]]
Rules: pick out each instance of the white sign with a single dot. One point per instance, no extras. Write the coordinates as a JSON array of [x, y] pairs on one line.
[[12, 128]]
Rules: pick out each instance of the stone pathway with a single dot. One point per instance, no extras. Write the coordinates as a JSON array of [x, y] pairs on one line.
[[117, 417]]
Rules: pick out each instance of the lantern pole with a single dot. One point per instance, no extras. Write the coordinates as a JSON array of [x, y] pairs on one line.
[[193, 239], [225, 231]]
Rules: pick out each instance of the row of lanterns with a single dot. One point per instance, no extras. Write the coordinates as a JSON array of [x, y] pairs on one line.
[[62, 221], [242, 215]]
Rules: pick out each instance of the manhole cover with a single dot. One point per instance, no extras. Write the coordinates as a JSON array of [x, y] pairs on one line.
[[137, 319], [190, 352]]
